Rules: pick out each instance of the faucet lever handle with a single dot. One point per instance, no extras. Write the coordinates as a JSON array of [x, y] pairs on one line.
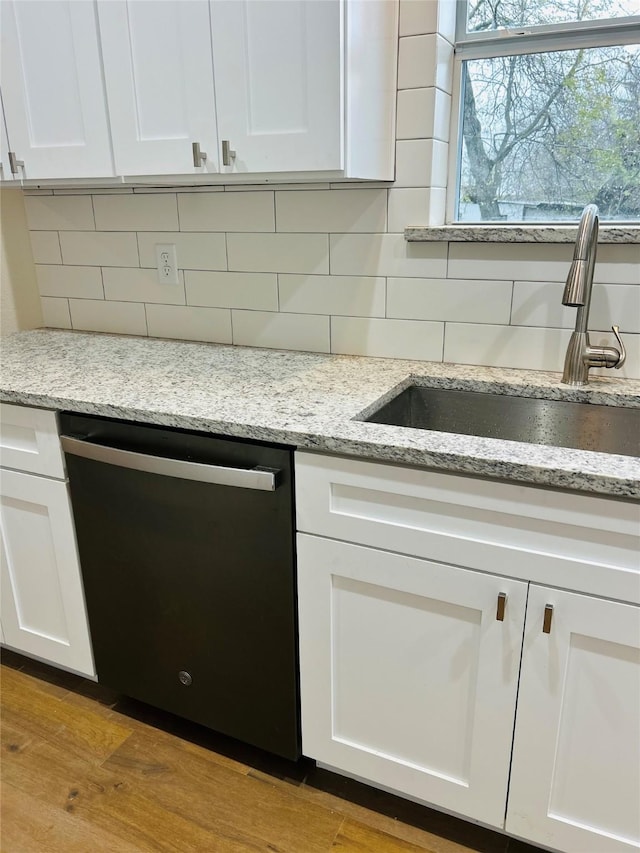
[[623, 352]]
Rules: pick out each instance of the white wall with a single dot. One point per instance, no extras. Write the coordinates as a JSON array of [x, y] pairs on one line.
[[326, 268], [19, 300]]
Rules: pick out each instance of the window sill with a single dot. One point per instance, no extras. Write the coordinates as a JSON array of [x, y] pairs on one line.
[[622, 233]]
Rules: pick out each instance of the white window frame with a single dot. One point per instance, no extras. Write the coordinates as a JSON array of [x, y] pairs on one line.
[[572, 35]]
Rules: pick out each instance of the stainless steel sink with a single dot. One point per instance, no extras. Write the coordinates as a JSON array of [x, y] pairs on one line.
[[559, 423]]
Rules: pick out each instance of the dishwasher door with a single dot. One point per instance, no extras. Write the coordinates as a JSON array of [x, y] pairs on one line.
[[190, 585]]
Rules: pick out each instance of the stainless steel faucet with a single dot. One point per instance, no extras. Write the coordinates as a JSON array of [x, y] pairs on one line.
[[577, 292]]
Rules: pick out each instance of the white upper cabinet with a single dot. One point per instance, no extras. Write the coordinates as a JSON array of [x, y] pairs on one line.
[[52, 89], [199, 92], [278, 83], [159, 80]]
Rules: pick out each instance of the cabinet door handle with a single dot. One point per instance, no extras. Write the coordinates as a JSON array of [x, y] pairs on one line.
[[548, 616], [199, 156], [14, 164], [227, 154], [502, 603]]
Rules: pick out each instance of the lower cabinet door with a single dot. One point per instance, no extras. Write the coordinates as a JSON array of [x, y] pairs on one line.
[[42, 606], [408, 675], [575, 779]]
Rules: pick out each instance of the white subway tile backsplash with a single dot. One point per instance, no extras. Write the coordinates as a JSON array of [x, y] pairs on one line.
[[357, 296], [332, 210], [303, 253], [136, 212], [45, 247], [59, 213], [386, 254], [418, 16], [281, 331], [254, 290], [193, 251], [423, 113], [123, 318], [136, 285], [55, 312], [250, 211], [413, 162], [428, 16], [415, 113], [417, 61], [540, 304], [506, 346], [425, 60], [449, 299], [444, 64], [616, 264], [439, 164], [421, 163], [99, 248], [407, 206], [414, 339], [189, 324], [442, 115], [58, 280]]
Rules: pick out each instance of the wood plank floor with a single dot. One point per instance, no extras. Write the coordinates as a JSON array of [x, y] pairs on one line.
[[87, 771]]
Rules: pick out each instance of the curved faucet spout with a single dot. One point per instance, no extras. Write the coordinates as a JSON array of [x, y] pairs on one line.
[[577, 293]]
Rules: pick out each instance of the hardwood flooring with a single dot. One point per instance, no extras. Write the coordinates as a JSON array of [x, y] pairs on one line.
[[87, 771]]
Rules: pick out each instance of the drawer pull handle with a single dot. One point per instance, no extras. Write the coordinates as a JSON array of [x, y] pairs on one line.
[[502, 603], [548, 616]]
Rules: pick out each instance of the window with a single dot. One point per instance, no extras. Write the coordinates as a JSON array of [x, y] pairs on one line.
[[549, 110]]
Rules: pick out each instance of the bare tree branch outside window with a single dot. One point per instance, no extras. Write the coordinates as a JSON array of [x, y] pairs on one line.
[[545, 133]]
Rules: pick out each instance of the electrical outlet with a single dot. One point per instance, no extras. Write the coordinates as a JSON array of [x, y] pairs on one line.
[[167, 263]]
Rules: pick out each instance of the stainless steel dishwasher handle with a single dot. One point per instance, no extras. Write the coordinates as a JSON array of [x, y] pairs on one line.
[[261, 478]]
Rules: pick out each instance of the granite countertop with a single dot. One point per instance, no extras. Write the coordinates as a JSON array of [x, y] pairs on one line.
[[308, 400]]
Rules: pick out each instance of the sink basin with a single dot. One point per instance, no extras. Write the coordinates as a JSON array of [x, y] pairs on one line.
[[559, 423]]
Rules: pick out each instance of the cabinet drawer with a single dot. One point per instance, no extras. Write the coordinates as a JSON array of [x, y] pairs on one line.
[[29, 441], [562, 539]]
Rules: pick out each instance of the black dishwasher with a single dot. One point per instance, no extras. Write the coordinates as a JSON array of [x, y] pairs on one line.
[[186, 545]]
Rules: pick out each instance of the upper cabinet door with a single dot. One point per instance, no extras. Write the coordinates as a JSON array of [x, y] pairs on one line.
[[278, 68], [159, 78], [52, 89]]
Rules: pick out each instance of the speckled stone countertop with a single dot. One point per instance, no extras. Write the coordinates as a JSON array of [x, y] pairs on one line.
[[308, 400], [496, 233]]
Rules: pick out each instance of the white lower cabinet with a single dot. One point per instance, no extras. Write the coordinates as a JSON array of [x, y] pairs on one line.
[[408, 679], [575, 780], [425, 678], [42, 606]]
